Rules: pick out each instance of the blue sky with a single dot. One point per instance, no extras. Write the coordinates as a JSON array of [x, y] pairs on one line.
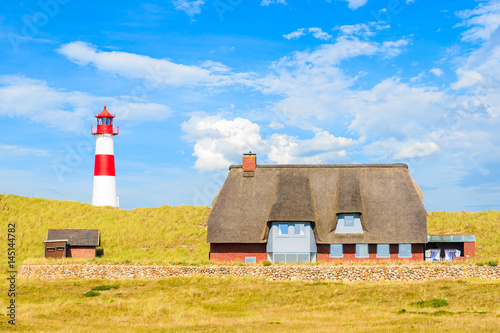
[[194, 84]]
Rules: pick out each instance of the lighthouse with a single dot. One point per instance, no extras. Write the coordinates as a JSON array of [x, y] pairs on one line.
[[104, 193]]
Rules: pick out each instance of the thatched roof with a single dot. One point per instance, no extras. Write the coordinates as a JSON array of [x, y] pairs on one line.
[[386, 196], [76, 237]]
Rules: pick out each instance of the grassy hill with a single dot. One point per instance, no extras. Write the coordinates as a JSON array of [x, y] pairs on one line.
[[177, 234]]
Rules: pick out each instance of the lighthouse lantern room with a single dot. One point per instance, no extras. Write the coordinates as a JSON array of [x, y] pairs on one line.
[[104, 193]]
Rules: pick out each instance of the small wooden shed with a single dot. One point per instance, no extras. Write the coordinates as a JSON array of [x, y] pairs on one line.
[[72, 243]]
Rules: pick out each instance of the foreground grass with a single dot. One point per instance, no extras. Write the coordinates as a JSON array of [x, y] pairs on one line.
[[251, 305]]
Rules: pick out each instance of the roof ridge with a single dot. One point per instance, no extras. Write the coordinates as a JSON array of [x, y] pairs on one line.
[[393, 165]]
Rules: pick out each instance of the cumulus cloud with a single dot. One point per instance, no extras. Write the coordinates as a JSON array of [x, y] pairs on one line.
[[401, 150], [35, 100], [318, 33], [436, 71], [481, 21], [190, 7], [355, 4], [295, 34], [154, 71], [220, 142]]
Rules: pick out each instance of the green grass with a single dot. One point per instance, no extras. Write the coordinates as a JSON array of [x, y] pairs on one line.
[[106, 287], [433, 303], [176, 235], [254, 305]]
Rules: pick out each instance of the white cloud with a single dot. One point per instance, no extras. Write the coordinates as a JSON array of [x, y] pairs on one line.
[[154, 71], [190, 7], [355, 4], [482, 21], [401, 151], [319, 34], [220, 142], [16, 150], [270, 2], [392, 108], [295, 35], [436, 71], [35, 100]]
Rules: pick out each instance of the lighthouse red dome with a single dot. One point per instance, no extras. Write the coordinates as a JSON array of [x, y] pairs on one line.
[[105, 124], [104, 114]]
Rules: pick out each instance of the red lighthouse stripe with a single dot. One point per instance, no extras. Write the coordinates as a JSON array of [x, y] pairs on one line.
[[104, 165]]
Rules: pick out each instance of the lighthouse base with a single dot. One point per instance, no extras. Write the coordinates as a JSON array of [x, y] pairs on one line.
[[104, 193]]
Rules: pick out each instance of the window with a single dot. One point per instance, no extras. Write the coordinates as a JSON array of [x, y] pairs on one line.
[[283, 229], [60, 248], [50, 249], [362, 251], [349, 224], [404, 251], [336, 251], [250, 260], [299, 229], [348, 220], [383, 251]]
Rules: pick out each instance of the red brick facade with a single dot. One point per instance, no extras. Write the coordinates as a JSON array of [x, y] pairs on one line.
[[81, 252], [236, 252], [228, 252], [469, 249], [350, 253]]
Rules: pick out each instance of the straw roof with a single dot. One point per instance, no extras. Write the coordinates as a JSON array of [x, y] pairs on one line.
[[386, 196]]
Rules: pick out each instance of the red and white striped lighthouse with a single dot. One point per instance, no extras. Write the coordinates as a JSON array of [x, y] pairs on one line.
[[104, 193]]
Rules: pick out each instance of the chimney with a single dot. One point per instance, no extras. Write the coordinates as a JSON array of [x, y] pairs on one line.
[[249, 162]]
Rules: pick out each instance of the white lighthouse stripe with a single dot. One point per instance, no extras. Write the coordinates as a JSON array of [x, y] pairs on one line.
[[104, 191], [104, 144]]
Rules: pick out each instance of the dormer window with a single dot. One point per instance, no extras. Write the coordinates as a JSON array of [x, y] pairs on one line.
[[349, 224]]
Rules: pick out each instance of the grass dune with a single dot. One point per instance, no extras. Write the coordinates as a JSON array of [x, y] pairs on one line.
[[177, 234]]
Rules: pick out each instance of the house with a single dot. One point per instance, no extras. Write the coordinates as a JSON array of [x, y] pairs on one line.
[[308, 213], [72, 243]]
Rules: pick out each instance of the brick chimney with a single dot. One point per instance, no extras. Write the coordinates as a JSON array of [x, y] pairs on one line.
[[249, 162]]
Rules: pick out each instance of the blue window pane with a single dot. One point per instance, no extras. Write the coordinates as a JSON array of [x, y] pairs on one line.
[[383, 251], [283, 229], [404, 251], [250, 260], [361, 250], [336, 251], [299, 229], [349, 220]]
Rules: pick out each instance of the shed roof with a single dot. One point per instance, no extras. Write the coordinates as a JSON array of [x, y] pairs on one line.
[[386, 196], [76, 237]]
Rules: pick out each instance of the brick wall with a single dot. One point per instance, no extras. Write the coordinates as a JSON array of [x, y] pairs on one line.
[[469, 249], [81, 252], [249, 162], [236, 252], [350, 253]]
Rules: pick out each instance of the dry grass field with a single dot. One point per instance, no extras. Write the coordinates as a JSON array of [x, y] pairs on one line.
[[253, 305]]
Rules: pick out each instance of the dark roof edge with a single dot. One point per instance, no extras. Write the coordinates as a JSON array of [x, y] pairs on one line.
[[296, 166]]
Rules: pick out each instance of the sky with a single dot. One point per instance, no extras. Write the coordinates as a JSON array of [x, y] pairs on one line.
[[195, 84]]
